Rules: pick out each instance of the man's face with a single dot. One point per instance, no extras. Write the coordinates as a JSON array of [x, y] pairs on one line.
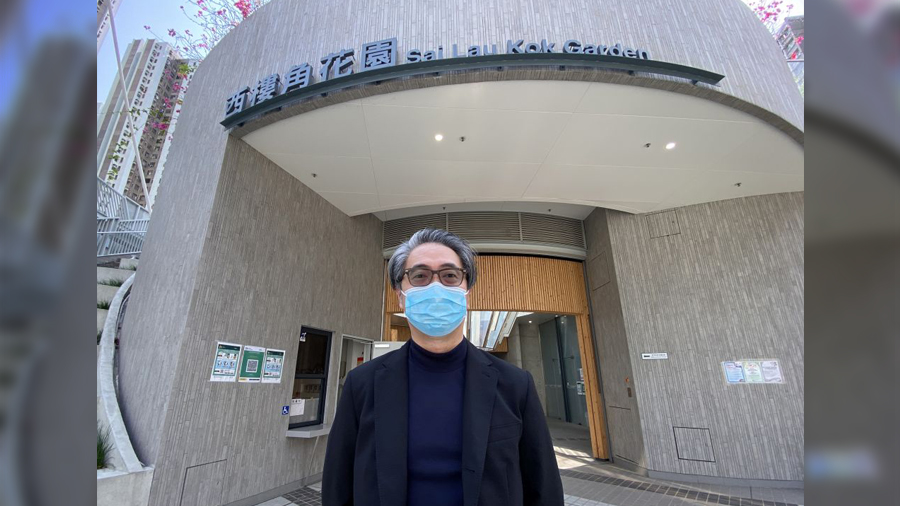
[[435, 257]]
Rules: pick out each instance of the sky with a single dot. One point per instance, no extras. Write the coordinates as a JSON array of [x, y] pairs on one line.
[[161, 15]]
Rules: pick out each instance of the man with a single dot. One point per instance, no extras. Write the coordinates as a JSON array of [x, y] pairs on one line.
[[438, 422]]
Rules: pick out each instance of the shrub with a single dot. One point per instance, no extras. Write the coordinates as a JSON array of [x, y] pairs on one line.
[[104, 447], [112, 282], [103, 304]]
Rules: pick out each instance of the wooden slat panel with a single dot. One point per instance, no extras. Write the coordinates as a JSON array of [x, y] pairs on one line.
[[399, 333], [519, 283], [596, 418]]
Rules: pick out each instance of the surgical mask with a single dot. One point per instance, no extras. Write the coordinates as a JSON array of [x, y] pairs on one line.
[[436, 310]]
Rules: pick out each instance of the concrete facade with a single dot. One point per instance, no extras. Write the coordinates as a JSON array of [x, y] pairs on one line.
[[723, 281], [239, 250], [265, 270]]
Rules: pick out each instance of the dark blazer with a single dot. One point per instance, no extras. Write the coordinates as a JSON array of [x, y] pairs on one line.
[[507, 454]]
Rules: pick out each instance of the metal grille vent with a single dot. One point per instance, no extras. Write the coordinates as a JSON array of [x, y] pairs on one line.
[[397, 231], [485, 226], [552, 229], [492, 226]]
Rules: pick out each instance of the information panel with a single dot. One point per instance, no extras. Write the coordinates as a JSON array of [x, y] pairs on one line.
[[771, 371], [734, 372], [752, 371], [225, 363], [252, 364], [274, 365]]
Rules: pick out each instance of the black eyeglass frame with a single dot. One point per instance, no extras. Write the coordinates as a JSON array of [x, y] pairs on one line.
[[438, 272]]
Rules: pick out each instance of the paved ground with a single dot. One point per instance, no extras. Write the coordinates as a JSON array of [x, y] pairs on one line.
[[588, 482]]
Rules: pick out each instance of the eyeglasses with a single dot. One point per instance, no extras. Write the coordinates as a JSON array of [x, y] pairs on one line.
[[422, 276]]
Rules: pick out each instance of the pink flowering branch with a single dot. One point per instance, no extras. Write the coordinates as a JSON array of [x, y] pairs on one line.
[[769, 12], [214, 18]]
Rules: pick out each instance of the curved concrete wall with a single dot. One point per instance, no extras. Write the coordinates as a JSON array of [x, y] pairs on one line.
[[722, 36], [217, 185]]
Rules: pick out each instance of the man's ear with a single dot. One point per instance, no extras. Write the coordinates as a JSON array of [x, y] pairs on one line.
[[400, 299]]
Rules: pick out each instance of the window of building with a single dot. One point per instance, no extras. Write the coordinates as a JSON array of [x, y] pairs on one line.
[[310, 378]]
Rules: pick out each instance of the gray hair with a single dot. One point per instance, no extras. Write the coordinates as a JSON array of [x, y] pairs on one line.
[[437, 236]]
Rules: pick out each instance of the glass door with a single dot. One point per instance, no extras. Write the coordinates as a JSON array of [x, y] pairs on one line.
[[576, 400]]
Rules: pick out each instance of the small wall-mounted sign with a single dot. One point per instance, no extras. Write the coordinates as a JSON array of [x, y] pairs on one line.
[[273, 365], [752, 371], [285, 410], [251, 364], [655, 356], [226, 362]]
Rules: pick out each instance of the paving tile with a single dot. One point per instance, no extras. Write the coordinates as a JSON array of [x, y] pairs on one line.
[[278, 501], [598, 485]]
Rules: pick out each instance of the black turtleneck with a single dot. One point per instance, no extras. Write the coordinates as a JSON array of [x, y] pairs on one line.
[[434, 450]]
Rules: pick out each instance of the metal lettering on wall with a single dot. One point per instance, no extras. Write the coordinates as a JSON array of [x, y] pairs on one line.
[[272, 92]]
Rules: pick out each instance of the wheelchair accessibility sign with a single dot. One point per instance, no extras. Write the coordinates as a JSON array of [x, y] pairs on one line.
[[285, 410]]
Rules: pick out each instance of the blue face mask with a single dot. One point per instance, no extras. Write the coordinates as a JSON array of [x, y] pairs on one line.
[[436, 310]]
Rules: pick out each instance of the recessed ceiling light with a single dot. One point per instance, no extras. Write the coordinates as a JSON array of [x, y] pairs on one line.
[[529, 321], [670, 145], [438, 137]]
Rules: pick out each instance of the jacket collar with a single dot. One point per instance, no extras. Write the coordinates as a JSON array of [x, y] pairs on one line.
[[392, 417]]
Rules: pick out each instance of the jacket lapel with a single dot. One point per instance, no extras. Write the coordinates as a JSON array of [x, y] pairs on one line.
[[478, 405], [391, 425]]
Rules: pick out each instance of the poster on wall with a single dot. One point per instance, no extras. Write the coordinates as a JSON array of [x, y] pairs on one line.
[[273, 366], [752, 371], [734, 372], [251, 364], [771, 371], [225, 363]]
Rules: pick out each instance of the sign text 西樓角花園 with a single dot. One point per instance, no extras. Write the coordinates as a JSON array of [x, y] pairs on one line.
[[384, 53]]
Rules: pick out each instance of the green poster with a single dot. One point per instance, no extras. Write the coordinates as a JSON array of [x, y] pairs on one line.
[[251, 364], [752, 371]]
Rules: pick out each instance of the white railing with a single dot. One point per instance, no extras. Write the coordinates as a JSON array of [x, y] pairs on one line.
[[117, 237], [112, 204], [121, 223]]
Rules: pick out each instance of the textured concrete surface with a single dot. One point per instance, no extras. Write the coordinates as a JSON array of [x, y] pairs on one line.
[[727, 286]]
